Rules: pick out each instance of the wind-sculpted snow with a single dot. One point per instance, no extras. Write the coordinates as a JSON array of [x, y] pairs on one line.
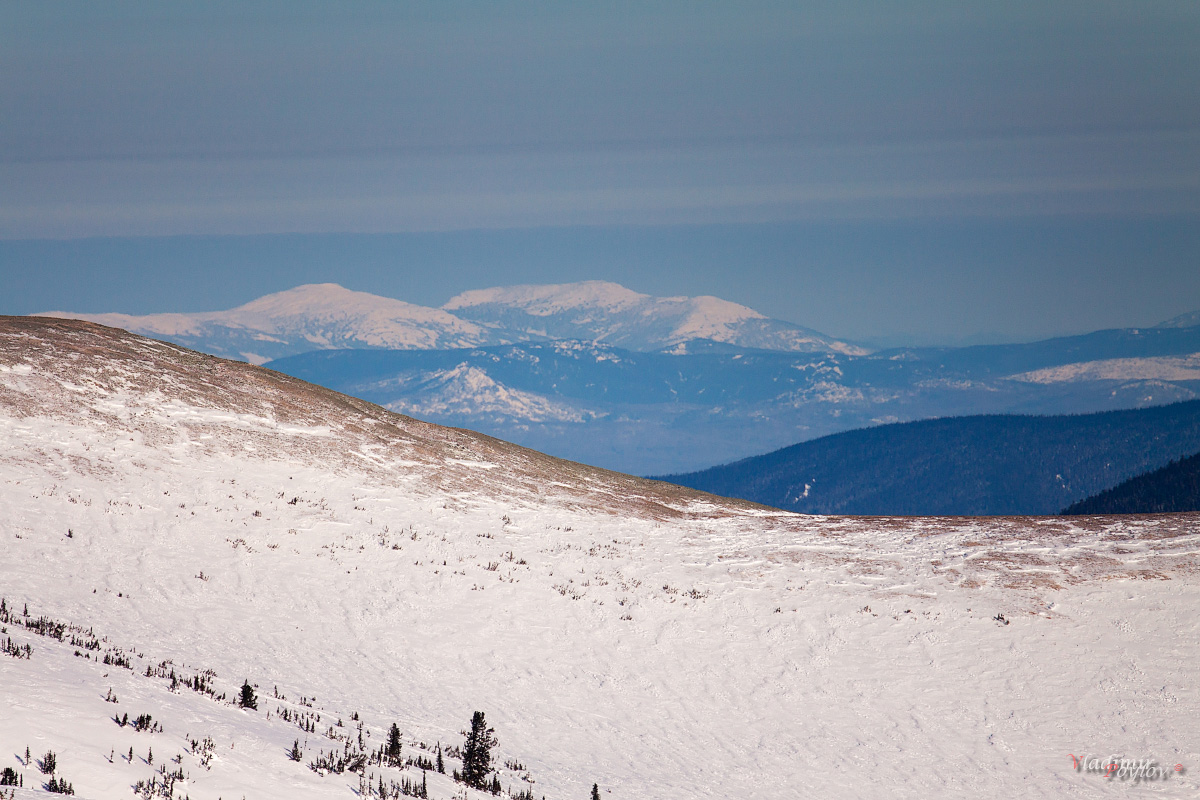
[[660, 642]]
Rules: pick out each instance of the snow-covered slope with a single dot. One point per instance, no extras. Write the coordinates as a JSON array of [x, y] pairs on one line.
[[467, 391], [197, 514], [608, 312], [1163, 368], [311, 317]]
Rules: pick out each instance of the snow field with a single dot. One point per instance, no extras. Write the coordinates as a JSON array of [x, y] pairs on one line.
[[661, 643]]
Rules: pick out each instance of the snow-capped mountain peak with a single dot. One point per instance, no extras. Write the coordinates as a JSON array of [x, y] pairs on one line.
[[711, 317], [310, 317], [549, 299], [324, 316], [356, 318], [608, 312]]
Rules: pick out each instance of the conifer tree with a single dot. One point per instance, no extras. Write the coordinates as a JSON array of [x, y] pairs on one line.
[[393, 746], [248, 699], [595, 791], [477, 753], [441, 766]]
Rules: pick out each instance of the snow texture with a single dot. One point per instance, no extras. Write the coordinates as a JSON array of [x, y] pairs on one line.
[[198, 514]]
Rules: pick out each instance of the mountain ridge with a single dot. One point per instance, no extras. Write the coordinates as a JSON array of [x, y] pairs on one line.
[[328, 316], [608, 313], [598, 373], [308, 317], [661, 413]]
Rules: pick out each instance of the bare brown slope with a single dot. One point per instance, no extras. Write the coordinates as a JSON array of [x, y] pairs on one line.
[[92, 375], [89, 359]]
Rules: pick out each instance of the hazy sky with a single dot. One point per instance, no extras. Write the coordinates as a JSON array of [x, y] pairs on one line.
[[930, 170]]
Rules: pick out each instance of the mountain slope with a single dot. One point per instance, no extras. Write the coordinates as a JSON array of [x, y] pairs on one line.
[[326, 316], [603, 312], [1189, 320], [980, 362], [1175, 487], [212, 518], [597, 373], [962, 465], [310, 317], [656, 413], [598, 404]]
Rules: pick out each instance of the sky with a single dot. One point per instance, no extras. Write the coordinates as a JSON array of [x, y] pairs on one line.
[[910, 173]]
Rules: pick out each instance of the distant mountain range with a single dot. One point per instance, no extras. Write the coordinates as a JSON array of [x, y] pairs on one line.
[[654, 413], [609, 314], [328, 317], [1175, 487], [597, 373], [981, 465]]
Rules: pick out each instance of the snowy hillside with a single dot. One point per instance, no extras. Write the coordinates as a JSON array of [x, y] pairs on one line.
[[222, 522], [312, 317], [1165, 369], [607, 312]]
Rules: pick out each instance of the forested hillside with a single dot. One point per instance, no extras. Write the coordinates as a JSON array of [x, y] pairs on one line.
[[1175, 487], [996, 464]]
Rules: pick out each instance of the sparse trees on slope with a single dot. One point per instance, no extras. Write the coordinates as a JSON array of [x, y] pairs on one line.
[[59, 786]]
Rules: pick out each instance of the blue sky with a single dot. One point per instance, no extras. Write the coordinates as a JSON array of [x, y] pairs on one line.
[[921, 171]]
